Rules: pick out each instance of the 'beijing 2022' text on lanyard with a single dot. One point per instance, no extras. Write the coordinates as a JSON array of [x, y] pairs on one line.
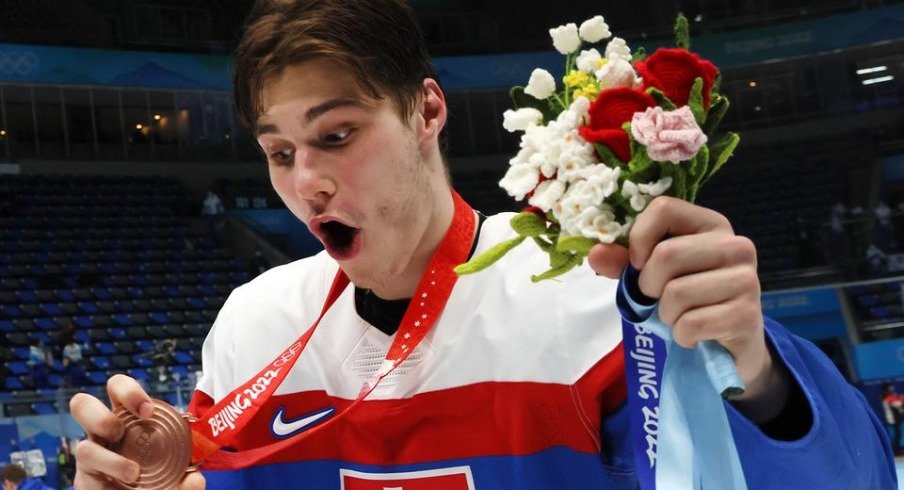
[[432, 293], [679, 427]]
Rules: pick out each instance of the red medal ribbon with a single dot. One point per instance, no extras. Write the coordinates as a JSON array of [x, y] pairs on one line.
[[219, 425]]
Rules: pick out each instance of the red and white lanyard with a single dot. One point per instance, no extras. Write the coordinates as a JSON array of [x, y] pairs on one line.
[[209, 434]]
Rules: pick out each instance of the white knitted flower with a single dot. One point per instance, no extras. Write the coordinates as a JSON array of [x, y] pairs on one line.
[[595, 29], [565, 38], [617, 72], [519, 180], [541, 84], [656, 188], [638, 199], [520, 120], [617, 47], [588, 60], [605, 228], [547, 194]]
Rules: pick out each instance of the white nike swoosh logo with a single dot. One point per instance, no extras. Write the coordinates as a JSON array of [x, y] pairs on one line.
[[282, 428]]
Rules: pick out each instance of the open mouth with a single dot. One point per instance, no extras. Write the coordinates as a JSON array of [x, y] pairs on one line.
[[340, 240]]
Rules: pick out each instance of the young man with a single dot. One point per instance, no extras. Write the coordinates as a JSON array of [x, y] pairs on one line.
[[515, 385]]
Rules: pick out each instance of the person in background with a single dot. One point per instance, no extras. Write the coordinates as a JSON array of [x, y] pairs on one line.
[[212, 209], [72, 361], [893, 407], [15, 478], [39, 361]]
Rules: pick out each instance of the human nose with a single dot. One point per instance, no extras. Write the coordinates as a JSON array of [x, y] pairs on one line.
[[311, 181]]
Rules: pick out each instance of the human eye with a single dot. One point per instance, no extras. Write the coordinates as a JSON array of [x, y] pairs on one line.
[[337, 138], [281, 157]]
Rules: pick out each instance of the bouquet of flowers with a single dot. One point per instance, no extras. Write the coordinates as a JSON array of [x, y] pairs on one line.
[[622, 129]]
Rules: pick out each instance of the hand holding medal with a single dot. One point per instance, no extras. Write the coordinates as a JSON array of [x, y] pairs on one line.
[[140, 444]]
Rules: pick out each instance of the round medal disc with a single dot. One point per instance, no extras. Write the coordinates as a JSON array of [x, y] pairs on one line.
[[161, 445]]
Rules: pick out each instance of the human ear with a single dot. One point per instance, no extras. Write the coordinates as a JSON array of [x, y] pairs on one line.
[[432, 112]]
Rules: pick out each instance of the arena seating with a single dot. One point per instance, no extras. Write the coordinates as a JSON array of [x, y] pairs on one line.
[[119, 258]]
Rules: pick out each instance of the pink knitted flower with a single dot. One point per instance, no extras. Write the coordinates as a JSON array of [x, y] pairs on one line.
[[672, 136]]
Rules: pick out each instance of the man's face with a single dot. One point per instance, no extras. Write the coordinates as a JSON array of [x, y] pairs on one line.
[[347, 166], [8, 485]]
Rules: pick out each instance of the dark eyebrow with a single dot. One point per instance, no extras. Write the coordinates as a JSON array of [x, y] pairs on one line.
[[313, 113]]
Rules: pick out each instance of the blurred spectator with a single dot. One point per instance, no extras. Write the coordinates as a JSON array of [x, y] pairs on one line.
[[15, 478], [213, 210], [884, 231], [893, 406], [73, 364], [39, 361], [838, 248], [876, 261]]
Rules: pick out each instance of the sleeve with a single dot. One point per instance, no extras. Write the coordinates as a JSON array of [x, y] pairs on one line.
[[845, 446], [216, 370]]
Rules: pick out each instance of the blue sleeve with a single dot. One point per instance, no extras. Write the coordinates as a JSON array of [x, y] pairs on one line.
[[846, 446]]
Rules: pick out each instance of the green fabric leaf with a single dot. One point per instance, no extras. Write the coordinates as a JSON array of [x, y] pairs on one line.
[[717, 86], [682, 32], [716, 112], [661, 99], [578, 244], [488, 257], [528, 224], [606, 155], [698, 168], [544, 244], [521, 100], [558, 271], [679, 179], [640, 54], [696, 102], [558, 259], [721, 152]]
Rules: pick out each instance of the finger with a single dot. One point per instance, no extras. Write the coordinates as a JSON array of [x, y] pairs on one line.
[[97, 460], [688, 254], [669, 216], [126, 392], [712, 287], [95, 418], [193, 481], [84, 481], [608, 259], [732, 324]]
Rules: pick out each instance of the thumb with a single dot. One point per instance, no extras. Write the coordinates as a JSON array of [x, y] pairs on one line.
[[608, 259], [193, 481]]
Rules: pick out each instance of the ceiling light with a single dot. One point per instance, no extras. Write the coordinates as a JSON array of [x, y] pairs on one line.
[[872, 69], [871, 81], [138, 126], [753, 83]]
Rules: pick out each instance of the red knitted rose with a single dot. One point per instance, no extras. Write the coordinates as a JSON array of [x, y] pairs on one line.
[[673, 70], [612, 109]]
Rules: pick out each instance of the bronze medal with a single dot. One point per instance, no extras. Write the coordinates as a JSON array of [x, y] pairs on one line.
[[161, 445]]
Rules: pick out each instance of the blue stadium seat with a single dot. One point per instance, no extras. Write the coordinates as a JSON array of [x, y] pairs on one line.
[[158, 317], [17, 367], [117, 333], [27, 296], [141, 360], [182, 371], [21, 353], [139, 373], [7, 326], [102, 362], [64, 295], [88, 307], [881, 312], [13, 383], [123, 319], [106, 348], [182, 357], [44, 408], [51, 309], [10, 311], [55, 379], [46, 323], [197, 303], [83, 321], [97, 377]]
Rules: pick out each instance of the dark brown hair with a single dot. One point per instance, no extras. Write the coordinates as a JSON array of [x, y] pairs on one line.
[[379, 41], [13, 473]]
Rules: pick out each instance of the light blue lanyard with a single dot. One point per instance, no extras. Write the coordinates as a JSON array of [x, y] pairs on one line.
[[680, 430]]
